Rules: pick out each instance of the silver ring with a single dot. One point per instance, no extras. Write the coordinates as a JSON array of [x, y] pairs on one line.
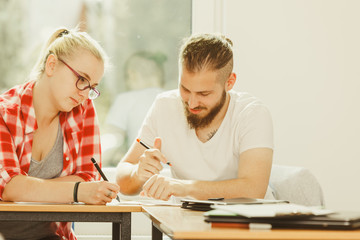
[[109, 194]]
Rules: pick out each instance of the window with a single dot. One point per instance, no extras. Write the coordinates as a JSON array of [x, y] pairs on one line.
[[141, 38]]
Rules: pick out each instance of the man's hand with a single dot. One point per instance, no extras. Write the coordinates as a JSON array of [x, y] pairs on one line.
[[161, 187], [150, 162]]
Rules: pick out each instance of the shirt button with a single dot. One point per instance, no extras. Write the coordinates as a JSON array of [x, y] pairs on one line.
[[67, 158]]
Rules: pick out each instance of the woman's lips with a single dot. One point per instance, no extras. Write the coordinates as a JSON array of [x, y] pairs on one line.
[[74, 100]]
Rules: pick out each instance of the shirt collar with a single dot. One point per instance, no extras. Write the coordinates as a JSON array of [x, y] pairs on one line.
[[27, 108], [71, 120]]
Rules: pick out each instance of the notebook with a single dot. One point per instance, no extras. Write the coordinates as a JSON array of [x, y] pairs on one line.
[[272, 210], [338, 220], [206, 205]]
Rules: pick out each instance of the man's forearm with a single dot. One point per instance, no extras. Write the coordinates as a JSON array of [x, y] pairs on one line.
[[234, 188], [127, 179]]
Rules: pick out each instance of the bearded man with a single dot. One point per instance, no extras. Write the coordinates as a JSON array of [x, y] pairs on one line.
[[219, 141]]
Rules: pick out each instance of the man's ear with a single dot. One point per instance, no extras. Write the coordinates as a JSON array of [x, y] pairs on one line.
[[50, 65], [230, 82]]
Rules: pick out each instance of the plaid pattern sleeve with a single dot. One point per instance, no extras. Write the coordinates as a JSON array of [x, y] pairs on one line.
[[14, 126], [9, 166]]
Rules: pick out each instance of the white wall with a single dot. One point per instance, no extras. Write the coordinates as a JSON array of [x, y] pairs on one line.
[[302, 58]]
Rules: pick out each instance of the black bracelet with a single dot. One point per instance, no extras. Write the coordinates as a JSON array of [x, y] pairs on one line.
[[76, 191]]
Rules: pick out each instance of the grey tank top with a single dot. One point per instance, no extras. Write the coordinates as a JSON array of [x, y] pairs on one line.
[[50, 167]]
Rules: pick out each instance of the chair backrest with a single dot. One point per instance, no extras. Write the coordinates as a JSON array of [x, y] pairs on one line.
[[296, 185]]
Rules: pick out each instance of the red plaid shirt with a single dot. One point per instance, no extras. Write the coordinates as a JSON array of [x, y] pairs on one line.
[[17, 126]]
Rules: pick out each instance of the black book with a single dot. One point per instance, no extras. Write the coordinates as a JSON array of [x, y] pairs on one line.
[[337, 220], [206, 205]]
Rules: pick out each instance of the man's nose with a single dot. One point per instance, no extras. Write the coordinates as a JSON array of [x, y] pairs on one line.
[[193, 101]]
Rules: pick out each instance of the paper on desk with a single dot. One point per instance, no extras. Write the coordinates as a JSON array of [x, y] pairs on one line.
[[146, 201], [43, 203], [272, 210]]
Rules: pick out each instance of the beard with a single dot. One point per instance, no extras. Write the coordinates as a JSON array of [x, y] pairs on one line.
[[196, 122]]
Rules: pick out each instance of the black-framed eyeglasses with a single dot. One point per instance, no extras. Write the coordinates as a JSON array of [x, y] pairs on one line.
[[82, 83]]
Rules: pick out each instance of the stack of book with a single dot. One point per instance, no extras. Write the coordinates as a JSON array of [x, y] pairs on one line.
[[279, 215]]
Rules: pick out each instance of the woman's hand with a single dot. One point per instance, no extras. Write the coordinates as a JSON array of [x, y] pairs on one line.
[[99, 192]]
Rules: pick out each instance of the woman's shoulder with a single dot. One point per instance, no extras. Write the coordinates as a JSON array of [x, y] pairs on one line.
[[15, 97]]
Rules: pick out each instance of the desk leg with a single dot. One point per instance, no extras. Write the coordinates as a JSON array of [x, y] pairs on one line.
[[126, 227], [116, 231], [122, 230], [156, 234]]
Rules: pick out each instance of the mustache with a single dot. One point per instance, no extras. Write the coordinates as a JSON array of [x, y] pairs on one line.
[[196, 108], [195, 121]]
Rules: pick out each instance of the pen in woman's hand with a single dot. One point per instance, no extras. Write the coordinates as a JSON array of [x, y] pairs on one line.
[[102, 174]]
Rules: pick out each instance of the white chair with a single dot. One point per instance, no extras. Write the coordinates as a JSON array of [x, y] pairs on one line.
[[296, 185], [292, 183]]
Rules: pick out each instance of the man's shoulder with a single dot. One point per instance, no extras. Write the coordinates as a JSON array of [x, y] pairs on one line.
[[244, 98], [168, 102], [243, 102], [171, 96]]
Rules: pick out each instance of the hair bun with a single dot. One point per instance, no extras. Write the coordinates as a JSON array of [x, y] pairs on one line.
[[63, 33]]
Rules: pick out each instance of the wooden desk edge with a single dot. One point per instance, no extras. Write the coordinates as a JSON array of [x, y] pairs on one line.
[[46, 207]]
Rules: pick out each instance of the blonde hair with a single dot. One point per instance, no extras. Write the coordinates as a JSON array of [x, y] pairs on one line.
[[207, 52], [63, 43]]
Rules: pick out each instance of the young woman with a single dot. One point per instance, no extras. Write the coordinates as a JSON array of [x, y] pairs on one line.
[[49, 133]]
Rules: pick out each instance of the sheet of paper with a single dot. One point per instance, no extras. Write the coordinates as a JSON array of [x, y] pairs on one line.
[[44, 203], [138, 200], [232, 201], [272, 210]]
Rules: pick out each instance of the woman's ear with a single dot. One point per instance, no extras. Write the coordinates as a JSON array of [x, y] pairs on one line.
[[230, 82], [50, 65]]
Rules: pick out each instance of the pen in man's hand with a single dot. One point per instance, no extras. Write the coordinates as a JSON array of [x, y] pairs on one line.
[[147, 147], [102, 174]]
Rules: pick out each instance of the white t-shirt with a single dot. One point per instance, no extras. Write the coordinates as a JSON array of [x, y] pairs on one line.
[[129, 110], [247, 124]]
